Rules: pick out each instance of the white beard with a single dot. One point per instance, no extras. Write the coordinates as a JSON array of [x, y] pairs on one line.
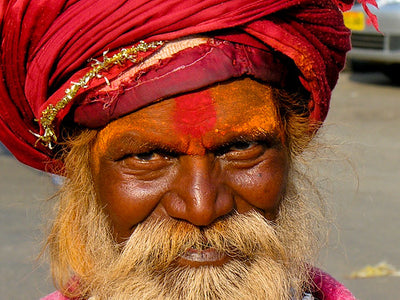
[[269, 261]]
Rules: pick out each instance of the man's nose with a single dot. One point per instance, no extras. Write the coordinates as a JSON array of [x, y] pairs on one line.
[[199, 195]]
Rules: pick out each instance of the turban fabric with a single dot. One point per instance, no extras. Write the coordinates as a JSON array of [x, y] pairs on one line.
[[47, 44]]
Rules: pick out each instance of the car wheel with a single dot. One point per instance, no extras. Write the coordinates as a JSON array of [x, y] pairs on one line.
[[358, 66], [393, 72]]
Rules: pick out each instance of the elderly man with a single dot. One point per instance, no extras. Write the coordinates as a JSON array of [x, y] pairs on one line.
[[178, 125]]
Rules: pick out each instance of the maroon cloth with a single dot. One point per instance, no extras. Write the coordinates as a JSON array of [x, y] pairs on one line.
[[186, 71], [46, 44]]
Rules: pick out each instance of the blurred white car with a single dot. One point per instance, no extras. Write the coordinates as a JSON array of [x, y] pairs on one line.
[[372, 49]]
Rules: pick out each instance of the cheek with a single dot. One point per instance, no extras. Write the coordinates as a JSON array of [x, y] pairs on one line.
[[126, 200], [263, 185]]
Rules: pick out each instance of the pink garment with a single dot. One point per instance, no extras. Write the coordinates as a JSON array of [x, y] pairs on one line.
[[328, 289], [55, 296]]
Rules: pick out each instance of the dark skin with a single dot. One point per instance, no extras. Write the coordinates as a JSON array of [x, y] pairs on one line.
[[145, 165]]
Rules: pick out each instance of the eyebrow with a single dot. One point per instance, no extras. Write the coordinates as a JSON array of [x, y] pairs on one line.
[[254, 135], [137, 144]]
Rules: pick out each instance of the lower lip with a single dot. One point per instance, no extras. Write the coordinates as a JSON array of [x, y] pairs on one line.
[[196, 258]]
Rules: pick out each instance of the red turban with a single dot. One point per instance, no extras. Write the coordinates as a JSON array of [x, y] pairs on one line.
[[47, 44]]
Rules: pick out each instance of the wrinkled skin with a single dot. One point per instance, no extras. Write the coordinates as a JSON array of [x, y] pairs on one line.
[[192, 160]]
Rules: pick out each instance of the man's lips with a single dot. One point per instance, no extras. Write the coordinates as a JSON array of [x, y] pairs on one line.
[[199, 257], [206, 255]]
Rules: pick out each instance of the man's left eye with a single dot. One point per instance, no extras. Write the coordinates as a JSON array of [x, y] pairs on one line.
[[240, 146], [244, 152], [240, 151]]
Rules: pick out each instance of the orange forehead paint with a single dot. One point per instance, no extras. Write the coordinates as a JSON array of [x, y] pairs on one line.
[[195, 114], [247, 105], [195, 122]]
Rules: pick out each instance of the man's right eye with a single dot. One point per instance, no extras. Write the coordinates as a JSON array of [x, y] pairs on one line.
[[146, 156], [146, 161]]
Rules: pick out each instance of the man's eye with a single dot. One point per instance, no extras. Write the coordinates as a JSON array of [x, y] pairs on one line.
[[240, 146], [240, 150], [146, 161], [147, 156], [152, 157]]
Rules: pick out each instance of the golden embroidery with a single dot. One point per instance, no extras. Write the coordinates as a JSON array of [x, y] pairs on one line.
[[49, 114]]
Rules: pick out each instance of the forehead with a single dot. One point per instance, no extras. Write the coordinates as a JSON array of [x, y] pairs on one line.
[[231, 109]]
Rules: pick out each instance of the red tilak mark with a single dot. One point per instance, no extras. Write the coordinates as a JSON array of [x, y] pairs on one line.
[[195, 114]]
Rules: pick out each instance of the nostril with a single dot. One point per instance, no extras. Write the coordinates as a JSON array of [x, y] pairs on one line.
[[197, 194], [199, 211], [225, 203], [174, 205], [201, 216]]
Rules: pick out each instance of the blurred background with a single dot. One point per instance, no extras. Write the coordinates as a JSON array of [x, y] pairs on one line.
[[363, 126]]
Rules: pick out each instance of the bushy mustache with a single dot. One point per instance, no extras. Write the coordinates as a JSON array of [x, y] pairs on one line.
[[157, 243]]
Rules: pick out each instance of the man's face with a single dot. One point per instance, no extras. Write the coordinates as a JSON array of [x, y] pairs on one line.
[[196, 158], [197, 192]]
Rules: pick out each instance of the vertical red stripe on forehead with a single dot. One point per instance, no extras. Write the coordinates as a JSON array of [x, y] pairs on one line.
[[195, 113]]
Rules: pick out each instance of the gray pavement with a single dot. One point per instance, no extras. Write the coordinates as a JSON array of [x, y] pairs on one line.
[[365, 119], [23, 191], [364, 125]]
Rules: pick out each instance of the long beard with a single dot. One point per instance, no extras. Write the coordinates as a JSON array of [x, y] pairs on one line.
[[268, 260], [146, 267]]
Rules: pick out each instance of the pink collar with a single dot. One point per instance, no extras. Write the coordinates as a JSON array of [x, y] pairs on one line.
[[327, 288]]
